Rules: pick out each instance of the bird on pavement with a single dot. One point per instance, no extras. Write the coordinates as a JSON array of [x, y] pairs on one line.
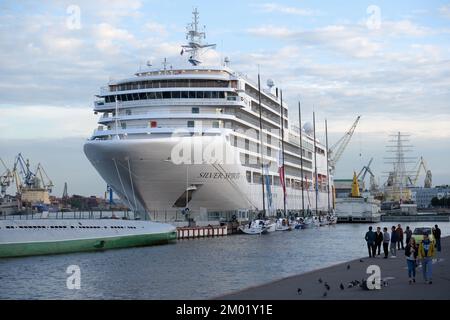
[[341, 286], [348, 267], [299, 291], [324, 294], [327, 286], [320, 280]]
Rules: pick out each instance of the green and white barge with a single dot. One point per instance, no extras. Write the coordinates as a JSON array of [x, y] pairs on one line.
[[52, 236]]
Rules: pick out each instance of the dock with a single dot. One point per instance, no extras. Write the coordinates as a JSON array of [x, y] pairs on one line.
[[415, 218], [311, 285], [201, 232]]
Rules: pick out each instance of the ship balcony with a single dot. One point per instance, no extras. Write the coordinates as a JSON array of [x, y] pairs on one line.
[[165, 115], [103, 106], [175, 130]]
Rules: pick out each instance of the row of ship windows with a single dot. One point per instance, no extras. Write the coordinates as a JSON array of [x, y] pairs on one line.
[[154, 124], [65, 227], [169, 95], [170, 84]]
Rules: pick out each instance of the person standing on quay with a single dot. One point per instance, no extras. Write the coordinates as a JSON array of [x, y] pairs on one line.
[[411, 252], [378, 240], [393, 247], [370, 239], [426, 254], [386, 239], [400, 237], [408, 234], [437, 237]]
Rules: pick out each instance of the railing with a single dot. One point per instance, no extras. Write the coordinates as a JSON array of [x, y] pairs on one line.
[[169, 102], [100, 214]]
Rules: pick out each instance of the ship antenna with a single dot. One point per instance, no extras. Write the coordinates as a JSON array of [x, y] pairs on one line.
[[194, 37]]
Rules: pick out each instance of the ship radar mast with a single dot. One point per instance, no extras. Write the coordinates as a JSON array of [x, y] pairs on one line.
[[195, 37]]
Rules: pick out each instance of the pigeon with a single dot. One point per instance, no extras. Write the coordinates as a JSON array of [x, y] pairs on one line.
[[299, 291], [350, 285], [361, 260], [324, 294], [341, 286], [348, 267], [320, 280], [327, 286]]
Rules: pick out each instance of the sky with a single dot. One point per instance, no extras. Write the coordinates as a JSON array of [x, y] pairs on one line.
[[386, 61]]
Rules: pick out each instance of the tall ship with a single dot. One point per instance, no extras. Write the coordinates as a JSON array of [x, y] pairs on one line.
[[205, 138]]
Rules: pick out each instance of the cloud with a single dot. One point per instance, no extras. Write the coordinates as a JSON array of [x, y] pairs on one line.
[[445, 10], [46, 122], [156, 28], [346, 39], [275, 7], [404, 28]]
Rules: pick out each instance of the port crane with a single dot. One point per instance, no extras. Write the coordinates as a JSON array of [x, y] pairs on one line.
[[336, 150], [428, 176], [6, 178], [362, 175], [25, 178]]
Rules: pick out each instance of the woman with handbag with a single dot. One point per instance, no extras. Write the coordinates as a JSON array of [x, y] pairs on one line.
[[411, 252]]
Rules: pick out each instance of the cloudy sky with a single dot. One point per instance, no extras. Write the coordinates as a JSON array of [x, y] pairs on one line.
[[388, 62]]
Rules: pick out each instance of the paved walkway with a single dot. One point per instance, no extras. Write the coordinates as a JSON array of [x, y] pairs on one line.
[[393, 272]]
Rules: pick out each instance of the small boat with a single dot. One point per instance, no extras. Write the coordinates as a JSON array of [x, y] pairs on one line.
[[308, 223], [271, 226], [299, 223], [283, 225], [332, 219], [315, 221], [323, 221], [255, 227]]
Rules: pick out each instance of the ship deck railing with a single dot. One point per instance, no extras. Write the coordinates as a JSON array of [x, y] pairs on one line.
[[95, 214]]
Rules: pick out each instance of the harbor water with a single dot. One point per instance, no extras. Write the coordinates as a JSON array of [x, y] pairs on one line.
[[188, 269]]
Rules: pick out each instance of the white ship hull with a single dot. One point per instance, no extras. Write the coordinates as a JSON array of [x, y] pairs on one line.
[[143, 174]]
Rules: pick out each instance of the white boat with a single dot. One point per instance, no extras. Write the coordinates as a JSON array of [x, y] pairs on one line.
[[189, 136], [271, 226], [255, 227], [283, 225], [299, 223], [308, 223], [332, 219], [52, 236], [323, 221]]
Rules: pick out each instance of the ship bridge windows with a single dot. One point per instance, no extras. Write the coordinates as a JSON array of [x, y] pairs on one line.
[[170, 95], [195, 110], [176, 83]]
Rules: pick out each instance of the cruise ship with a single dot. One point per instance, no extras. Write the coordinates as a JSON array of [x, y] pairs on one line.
[[205, 138]]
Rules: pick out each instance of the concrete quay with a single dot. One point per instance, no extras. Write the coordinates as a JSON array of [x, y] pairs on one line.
[[313, 285]]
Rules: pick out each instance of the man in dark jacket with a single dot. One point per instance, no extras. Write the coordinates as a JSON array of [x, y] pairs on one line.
[[400, 237], [393, 243], [437, 237], [370, 239], [386, 240], [408, 234], [378, 240]]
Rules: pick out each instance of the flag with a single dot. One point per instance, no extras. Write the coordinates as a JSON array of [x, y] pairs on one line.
[[268, 190], [281, 172]]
